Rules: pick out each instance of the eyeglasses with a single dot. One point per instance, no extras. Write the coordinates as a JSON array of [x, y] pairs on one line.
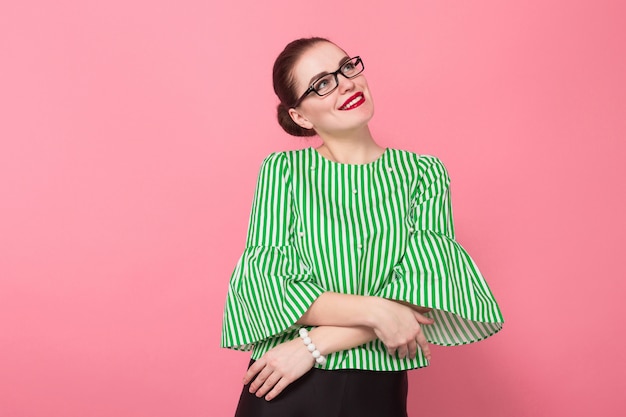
[[326, 84]]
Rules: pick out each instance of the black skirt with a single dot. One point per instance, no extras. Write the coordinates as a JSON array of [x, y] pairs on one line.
[[340, 393]]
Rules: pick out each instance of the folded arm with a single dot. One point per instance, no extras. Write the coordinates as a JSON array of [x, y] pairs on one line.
[[343, 321], [396, 324]]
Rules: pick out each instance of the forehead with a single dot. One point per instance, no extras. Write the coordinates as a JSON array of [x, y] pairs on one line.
[[321, 57]]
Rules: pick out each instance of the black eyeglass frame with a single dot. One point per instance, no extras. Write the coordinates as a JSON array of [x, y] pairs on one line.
[[356, 59]]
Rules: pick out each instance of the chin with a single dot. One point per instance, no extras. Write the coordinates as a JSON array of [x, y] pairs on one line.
[[366, 114]]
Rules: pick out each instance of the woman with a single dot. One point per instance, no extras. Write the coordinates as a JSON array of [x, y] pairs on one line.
[[350, 267]]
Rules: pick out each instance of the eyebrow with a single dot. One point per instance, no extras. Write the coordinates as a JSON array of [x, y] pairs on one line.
[[321, 74]]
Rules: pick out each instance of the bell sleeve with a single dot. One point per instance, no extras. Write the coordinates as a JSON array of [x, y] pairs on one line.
[[436, 272], [269, 289]]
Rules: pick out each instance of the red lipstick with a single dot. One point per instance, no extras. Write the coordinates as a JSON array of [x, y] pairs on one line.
[[353, 102]]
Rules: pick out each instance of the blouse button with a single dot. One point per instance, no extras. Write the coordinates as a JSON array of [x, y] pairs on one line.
[[312, 166], [390, 169], [360, 246], [411, 230], [355, 191], [301, 234]]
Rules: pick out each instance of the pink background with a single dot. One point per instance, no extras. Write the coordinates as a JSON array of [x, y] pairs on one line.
[[131, 134]]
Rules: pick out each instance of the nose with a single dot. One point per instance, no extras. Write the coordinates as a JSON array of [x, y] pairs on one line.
[[345, 84]]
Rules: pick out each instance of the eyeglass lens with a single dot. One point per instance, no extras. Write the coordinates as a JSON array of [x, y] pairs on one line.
[[328, 83]]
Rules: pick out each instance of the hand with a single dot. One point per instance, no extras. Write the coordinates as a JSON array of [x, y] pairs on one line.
[[278, 368], [399, 328]]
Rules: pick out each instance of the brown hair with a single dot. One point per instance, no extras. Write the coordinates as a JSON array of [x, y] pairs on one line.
[[284, 83]]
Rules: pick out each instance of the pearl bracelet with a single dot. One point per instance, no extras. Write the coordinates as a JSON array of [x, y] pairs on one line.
[[319, 358]]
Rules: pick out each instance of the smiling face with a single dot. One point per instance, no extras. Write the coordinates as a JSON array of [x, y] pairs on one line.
[[345, 110]]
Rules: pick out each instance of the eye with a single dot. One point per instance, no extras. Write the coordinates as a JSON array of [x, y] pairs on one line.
[[321, 84], [324, 84], [349, 67]]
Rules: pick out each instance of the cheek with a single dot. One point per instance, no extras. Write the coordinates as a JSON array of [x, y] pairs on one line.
[[366, 86], [319, 108]]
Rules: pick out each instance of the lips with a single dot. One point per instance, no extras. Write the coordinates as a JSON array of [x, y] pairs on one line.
[[353, 102]]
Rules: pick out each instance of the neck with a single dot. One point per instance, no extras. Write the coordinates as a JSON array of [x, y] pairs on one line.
[[356, 147]]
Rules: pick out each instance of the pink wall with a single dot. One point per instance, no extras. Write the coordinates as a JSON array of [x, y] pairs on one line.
[[131, 134]]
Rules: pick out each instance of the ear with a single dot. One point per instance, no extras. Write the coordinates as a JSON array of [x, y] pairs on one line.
[[300, 119]]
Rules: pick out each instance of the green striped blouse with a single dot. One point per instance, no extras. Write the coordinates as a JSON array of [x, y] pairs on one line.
[[382, 229]]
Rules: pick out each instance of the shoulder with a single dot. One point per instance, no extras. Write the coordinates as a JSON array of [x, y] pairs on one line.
[[284, 164], [432, 166], [286, 157], [424, 166], [288, 162], [272, 169], [274, 162], [273, 159]]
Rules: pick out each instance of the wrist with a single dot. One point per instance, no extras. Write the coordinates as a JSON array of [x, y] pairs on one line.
[[314, 352], [371, 313], [331, 339]]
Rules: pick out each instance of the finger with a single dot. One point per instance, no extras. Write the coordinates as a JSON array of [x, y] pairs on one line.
[[403, 351], [391, 351], [423, 344], [278, 388], [412, 345], [253, 370], [268, 385], [260, 379], [423, 319]]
